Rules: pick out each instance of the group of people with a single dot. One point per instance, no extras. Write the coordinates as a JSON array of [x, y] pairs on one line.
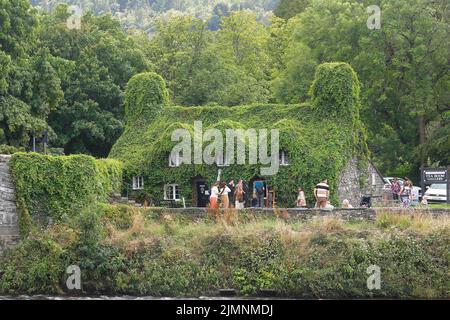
[[405, 192], [226, 193], [322, 196], [223, 194]]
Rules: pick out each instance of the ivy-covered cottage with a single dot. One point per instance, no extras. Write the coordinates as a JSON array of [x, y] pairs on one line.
[[322, 138]]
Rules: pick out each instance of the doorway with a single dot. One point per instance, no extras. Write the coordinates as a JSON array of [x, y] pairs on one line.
[[202, 193]]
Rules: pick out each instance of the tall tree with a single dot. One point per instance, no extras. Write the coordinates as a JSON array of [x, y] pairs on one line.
[[94, 64], [227, 67], [243, 44], [176, 51], [29, 86]]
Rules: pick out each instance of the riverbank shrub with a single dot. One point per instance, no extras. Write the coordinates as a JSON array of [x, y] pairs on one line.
[[52, 188], [165, 255]]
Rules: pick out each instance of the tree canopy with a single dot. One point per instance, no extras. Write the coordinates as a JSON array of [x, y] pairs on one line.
[[71, 82]]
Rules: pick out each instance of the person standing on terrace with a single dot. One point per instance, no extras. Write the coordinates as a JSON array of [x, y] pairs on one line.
[[214, 196], [239, 195], [301, 199], [395, 187], [224, 191], [322, 193]]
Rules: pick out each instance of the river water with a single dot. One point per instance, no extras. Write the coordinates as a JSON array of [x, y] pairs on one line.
[[44, 297]]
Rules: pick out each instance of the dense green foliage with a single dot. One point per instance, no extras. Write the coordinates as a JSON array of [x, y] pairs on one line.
[[230, 66], [143, 14], [319, 139], [57, 187], [403, 69], [6, 149], [289, 8], [335, 91], [72, 82], [29, 86], [145, 98], [94, 64], [69, 82], [120, 251]]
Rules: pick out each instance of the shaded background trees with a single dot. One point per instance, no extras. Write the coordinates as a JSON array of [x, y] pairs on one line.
[[94, 64]]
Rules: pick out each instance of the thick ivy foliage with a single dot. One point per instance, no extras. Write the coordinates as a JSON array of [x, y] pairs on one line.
[[58, 187], [320, 136]]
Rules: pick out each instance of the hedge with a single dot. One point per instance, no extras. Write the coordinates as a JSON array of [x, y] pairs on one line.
[[55, 187], [320, 136]]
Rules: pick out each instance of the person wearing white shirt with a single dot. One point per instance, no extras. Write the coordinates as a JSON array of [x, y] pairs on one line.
[[224, 190], [214, 195]]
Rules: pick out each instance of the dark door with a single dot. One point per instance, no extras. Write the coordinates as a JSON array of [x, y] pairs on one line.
[[202, 194]]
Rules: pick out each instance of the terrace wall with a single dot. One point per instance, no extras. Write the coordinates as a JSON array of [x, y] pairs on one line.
[[9, 226]]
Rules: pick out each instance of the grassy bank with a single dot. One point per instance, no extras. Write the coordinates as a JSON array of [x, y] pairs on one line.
[[439, 205], [123, 250]]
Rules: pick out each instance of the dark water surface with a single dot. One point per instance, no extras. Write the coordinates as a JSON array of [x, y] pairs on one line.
[[44, 297]]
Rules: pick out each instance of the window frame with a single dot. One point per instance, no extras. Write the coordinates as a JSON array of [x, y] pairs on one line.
[[173, 192], [225, 160], [284, 158], [176, 163], [138, 183]]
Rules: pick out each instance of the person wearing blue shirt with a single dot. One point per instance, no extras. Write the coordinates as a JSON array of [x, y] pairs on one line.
[[259, 188]]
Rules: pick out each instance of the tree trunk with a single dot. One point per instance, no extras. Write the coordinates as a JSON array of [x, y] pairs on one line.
[[422, 137]]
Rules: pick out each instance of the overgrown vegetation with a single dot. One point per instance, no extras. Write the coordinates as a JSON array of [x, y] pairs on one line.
[[53, 188], [319, 139], [71, 82], [125, 250]]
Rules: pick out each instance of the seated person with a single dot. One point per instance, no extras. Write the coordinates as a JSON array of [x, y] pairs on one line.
[[328, 206], [346, 204], [366, 202]]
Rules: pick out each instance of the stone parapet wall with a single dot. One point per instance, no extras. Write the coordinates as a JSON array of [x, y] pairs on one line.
[[305, 214], [9, 225]]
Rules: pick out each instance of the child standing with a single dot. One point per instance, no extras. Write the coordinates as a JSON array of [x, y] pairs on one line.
[[424, 202], [301, 199]]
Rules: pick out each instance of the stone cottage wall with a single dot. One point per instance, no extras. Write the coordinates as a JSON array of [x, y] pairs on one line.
[[350, 186], [9, 226], [374, 184]]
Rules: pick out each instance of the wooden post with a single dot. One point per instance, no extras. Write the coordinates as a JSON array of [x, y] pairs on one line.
[[422, 180]]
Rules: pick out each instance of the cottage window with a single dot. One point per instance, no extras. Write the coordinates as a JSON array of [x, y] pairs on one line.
[[138, 182], [174, 160], [172, 192], [374, 179], [222, 161], [284, 158]]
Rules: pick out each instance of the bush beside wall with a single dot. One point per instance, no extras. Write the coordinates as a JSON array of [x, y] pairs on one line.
[[60, 186]]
